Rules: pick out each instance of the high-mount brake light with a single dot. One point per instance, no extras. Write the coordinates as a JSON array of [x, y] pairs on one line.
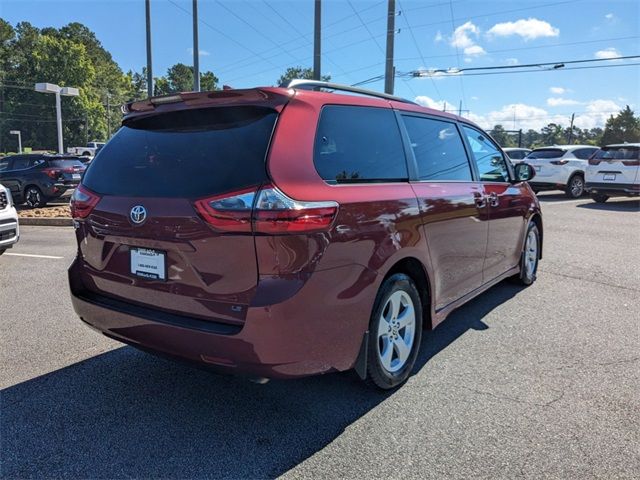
[[82, 202], [266, 210]]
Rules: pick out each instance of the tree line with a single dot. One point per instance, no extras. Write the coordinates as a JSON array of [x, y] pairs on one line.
[[73, 56]]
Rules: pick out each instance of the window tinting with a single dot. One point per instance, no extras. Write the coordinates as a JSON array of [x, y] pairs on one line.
[[188, 154], [617, 153], [4, 164], [359, 144], [66, 163], [546, 153], [438, 149], [491, 164], [584, 153], [20, 163]]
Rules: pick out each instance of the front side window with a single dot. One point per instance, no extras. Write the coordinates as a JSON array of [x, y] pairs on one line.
[[4, 164], [359, 144], [488, 157], [438, 149]]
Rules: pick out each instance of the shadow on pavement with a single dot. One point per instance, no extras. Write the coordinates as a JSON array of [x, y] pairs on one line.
[[128, 414], [614, 206]]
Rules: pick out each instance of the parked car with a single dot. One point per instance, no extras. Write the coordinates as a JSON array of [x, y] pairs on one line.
[[90, 150], [35, 179], [516, 154], [560, 167], [9, 229], [285, 232], [613, 171]]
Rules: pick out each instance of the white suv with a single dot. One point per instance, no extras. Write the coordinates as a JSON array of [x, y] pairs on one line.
[[613, 171], [560, 167], [9, 230]]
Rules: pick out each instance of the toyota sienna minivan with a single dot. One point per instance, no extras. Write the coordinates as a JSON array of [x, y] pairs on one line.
[[286, 232]]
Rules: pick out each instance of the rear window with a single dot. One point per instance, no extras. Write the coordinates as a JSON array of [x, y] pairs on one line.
[[66, 163], [517, 154], [185, 154], [359, 144], [546, 153], [618, 153]]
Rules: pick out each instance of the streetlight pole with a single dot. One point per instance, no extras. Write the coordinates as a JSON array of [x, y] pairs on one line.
[[196, 52], [67, 92], [17, 132]]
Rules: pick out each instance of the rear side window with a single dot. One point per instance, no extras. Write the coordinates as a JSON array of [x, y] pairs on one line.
[[438, 149], [20, 163], [185, 154], [359, 144], [584, 153], [546, 153]]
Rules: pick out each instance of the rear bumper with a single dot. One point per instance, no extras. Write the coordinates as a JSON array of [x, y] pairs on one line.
[[287, 340], [624, 189]]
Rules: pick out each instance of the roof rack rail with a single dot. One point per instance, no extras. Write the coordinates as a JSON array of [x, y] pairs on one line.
[[317, 84]]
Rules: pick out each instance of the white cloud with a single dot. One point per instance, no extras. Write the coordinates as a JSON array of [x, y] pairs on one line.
[[512, 61], [202, 53], [608, 53], [559, 102], [430, 102], [462, 35], [439, 37], [609, 16], [558, 90], [595, 114], [528, 29], [474, 50]]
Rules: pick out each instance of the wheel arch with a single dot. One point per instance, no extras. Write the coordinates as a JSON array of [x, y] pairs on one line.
[[415, 269]]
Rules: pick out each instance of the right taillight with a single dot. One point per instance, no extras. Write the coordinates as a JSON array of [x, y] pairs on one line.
[[631, 163], [266, 210], [594, 161], [82, 202]]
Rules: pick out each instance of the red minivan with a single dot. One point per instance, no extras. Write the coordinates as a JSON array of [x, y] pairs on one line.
[[285, 232]]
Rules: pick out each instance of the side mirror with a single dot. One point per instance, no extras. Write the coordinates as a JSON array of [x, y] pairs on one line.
[[524, 172]]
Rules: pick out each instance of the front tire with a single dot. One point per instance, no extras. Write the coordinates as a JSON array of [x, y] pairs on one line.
[[530, 257], [575, 187], [34, 198], [599, 197], [395, 332]]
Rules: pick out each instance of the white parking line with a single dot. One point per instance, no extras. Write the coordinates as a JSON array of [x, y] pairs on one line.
[[564, 201], [32, 255]]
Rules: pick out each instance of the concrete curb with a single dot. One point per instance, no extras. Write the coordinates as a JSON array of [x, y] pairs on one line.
[[46, 221]]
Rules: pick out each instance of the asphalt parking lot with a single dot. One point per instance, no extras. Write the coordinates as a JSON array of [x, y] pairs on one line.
[[536, 382]]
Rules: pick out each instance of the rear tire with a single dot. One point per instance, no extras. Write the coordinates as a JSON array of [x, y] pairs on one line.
[[34, 197], [599, 197], [575, 186], [2, 250], [530, 257], [395, 332]]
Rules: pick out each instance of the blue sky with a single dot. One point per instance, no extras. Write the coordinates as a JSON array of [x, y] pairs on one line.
[[249, 43]]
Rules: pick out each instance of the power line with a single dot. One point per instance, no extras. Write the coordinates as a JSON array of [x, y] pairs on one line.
[[415, 43], [365, 26]]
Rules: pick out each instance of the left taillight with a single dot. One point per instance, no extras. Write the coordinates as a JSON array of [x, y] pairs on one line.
[[559, 162], [266, 210], [82, 202]]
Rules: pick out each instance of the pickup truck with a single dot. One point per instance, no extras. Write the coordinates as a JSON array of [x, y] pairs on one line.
[[89, 151]]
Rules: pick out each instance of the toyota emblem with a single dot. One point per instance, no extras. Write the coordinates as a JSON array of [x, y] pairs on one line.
[[138, 214]]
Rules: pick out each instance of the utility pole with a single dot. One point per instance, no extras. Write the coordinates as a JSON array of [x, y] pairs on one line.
[[391, 27], [520, 138], [317, 22], [108, 117], [571, 128], [196, 54], [149, 70], [460, 109]]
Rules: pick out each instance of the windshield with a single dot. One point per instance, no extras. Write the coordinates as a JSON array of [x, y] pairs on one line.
[[185, 154], [546, 153]]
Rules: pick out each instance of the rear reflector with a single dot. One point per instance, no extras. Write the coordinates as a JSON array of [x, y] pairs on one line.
[[266, 210], [82, 202]]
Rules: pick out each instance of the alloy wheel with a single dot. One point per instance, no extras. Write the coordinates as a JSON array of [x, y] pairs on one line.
[[577, 186], [33, 198], [531, 254], [396, 331]]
